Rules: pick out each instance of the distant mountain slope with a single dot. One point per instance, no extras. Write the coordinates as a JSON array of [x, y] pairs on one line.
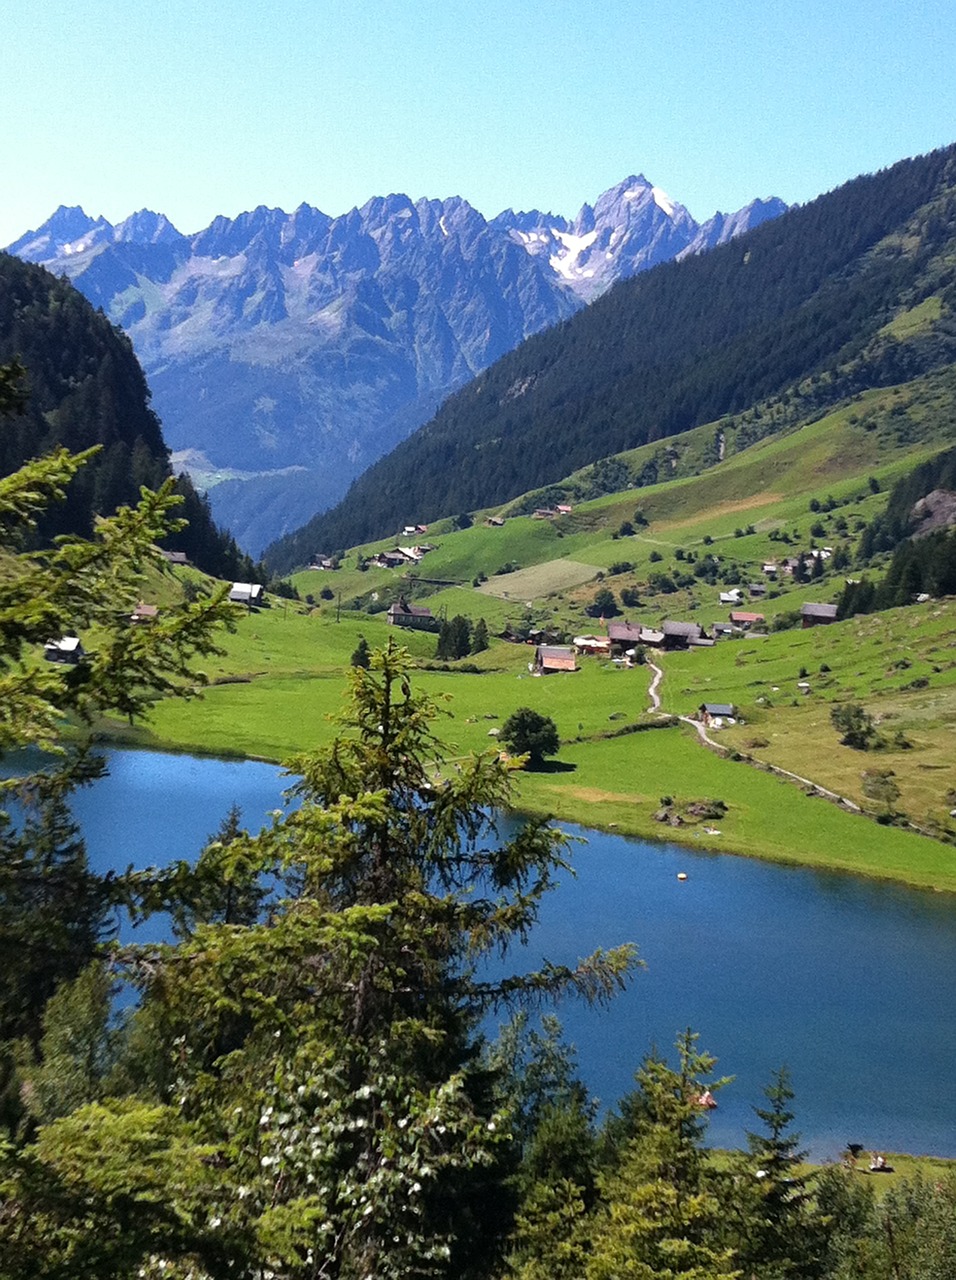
[[806, 295], [274, 340], [84, 388]]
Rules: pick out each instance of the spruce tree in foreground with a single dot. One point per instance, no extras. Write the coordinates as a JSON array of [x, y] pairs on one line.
[[318, 1097]]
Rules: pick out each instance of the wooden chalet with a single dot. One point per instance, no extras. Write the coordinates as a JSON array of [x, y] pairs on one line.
[[415, 617], [817, 615], [681, 635], [741, 618], [596, 646], [549, 658], [144, 613]]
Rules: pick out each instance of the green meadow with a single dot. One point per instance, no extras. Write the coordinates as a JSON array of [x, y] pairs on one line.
[[284, 669]]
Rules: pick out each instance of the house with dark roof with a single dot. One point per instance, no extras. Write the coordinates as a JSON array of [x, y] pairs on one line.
[[817, 615], [681, 635], [415, 617]]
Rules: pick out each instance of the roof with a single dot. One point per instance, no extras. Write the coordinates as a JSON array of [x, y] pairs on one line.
[[406, 610], [145, 611], [689, 629], [65, 644], [630, 631], [741, 615], [558, 656], [718, 708], [818, 611], [242, 591]]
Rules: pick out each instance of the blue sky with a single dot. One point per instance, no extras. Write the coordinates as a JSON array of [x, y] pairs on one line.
[[196, 109]]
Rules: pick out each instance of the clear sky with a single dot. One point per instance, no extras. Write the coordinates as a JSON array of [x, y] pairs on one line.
[[200, 107]]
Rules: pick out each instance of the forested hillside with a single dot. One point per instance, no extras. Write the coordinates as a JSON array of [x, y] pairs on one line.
[[815, 294], [82, 387]]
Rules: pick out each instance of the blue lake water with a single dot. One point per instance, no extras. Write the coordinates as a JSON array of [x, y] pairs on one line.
[[852, 984]]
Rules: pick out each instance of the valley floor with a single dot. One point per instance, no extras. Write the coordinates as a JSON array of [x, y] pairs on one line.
[[622, 766]]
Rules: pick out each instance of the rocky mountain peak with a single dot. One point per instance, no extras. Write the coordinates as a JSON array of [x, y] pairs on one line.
[[276, 340]]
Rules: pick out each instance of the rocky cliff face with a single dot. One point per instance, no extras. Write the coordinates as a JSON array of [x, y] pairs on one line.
[[298, 348]]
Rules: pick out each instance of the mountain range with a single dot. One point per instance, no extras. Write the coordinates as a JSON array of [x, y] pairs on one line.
[[852, 291], [288, 352]]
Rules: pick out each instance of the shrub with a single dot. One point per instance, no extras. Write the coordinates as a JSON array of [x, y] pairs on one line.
[[854, 725]]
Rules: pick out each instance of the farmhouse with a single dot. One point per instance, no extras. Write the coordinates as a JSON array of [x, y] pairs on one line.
[[67, 649], [549, 658], [594, 645], [709, 712], [623, 635], [144, 613], [416, 617], [818, 615], [741, 618], [390, 559], [248, 593], [175, 557], [681, 635], [731, 597]]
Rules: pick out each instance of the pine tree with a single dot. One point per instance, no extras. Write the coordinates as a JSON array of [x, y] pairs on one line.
[[779, 1233], [661, 1214], [326, 1102], [361, 654]]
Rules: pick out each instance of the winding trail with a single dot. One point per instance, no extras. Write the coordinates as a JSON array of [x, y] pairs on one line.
[[653, 687], [705, 738]]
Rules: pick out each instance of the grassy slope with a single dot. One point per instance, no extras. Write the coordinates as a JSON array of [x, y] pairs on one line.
[[283, 674]]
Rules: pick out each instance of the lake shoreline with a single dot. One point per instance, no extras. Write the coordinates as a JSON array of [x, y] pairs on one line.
[[626, 824]]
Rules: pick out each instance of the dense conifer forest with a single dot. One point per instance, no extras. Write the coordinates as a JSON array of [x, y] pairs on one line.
[[807, 296], [83, 388]]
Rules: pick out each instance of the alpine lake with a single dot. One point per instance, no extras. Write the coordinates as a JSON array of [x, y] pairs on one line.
[[850, 983]]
